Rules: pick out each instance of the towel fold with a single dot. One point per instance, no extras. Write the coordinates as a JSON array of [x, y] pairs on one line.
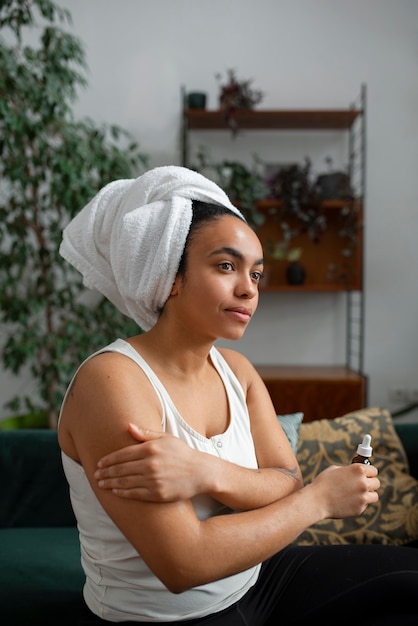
[[127, 242]]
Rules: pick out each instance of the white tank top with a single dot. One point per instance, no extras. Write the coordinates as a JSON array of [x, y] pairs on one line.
[[119, 586]]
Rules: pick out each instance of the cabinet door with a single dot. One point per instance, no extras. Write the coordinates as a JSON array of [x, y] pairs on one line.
[[319, 392]]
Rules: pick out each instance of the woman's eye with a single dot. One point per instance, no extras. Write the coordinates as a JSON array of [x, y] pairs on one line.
[[257, 276], [226, 266]]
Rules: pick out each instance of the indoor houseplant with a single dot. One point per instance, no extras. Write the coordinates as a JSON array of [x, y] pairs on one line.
[[236, 95], [243, 184], [299, 198], [50, 164]]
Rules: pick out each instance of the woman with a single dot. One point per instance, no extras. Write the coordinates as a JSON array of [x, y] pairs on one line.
[[195, 523]]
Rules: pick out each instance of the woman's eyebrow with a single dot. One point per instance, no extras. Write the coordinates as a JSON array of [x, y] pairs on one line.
[[235, 253]]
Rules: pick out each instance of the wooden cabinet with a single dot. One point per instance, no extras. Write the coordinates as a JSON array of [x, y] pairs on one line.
[[323, 391], [319, 392]]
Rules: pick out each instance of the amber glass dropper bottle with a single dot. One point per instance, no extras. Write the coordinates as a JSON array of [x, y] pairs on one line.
[[364, 451]]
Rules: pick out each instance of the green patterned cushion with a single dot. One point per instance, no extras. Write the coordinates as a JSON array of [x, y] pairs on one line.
[[394, 519]]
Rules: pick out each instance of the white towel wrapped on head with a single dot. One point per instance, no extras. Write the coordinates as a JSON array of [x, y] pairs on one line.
[[127, 242]]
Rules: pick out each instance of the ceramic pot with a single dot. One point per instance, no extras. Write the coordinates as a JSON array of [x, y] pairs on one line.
[[196, 100], [333, 186]]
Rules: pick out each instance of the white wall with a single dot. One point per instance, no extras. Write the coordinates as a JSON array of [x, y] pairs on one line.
[[301, 53]]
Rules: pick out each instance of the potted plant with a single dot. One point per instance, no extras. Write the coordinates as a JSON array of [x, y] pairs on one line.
[[50, 165], [334, 184], [236, 95], [243, 184], [299, 196]]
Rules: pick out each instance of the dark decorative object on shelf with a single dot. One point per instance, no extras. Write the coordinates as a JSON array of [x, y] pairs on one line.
[[196, 100], [334, 185], [236, 95], [295, 273]]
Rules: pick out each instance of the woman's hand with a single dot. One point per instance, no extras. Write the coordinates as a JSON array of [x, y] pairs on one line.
[[160, 468], [163, 468], [346, 491]]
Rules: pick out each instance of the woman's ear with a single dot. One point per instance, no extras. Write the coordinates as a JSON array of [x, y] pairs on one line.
[[174, 287]]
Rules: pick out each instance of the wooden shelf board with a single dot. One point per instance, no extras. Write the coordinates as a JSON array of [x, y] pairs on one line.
[[321, 119], [327, 205], [313, 288]]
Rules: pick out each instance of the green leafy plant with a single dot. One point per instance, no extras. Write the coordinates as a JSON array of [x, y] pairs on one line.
[[281, 250], [300, 198], [50, 166], [244, 185]]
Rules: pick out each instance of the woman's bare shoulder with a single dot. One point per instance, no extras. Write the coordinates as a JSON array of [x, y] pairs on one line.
[[109, 391], [102, 371], [240, 364]]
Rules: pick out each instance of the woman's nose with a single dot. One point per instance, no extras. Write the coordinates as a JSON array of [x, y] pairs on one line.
[[246, 287]]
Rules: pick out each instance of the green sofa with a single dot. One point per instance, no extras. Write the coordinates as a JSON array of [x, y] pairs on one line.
[[41, 578]]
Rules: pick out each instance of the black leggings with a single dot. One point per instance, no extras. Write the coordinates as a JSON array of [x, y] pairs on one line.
[[371, 584]]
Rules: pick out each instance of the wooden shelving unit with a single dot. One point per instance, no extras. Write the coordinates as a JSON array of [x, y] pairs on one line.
[[318, 391]]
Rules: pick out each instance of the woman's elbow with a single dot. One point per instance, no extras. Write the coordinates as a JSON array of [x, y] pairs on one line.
[[180, 573], [178, 588], [177, 582], [299, 483]]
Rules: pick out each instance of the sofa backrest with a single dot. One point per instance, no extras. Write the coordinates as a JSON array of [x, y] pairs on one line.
[[33, 488]]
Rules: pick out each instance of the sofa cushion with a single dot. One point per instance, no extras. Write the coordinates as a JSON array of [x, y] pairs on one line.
[[40, 575], [291, 423], [394, 519]]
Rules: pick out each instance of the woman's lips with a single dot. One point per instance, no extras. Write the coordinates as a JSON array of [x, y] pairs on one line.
[[241, 313]]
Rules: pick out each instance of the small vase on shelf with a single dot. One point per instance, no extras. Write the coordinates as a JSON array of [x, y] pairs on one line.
[[196, 100], [295, 273]]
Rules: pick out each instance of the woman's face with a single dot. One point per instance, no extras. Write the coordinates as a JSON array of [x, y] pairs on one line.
[[218, 294]]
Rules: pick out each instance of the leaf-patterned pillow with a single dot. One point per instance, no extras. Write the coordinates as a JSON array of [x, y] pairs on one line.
[[394, 519]]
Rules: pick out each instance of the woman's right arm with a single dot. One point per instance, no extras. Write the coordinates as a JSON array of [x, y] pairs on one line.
[[180, 549]]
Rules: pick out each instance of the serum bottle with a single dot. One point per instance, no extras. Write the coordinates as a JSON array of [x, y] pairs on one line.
[[364, 451]]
